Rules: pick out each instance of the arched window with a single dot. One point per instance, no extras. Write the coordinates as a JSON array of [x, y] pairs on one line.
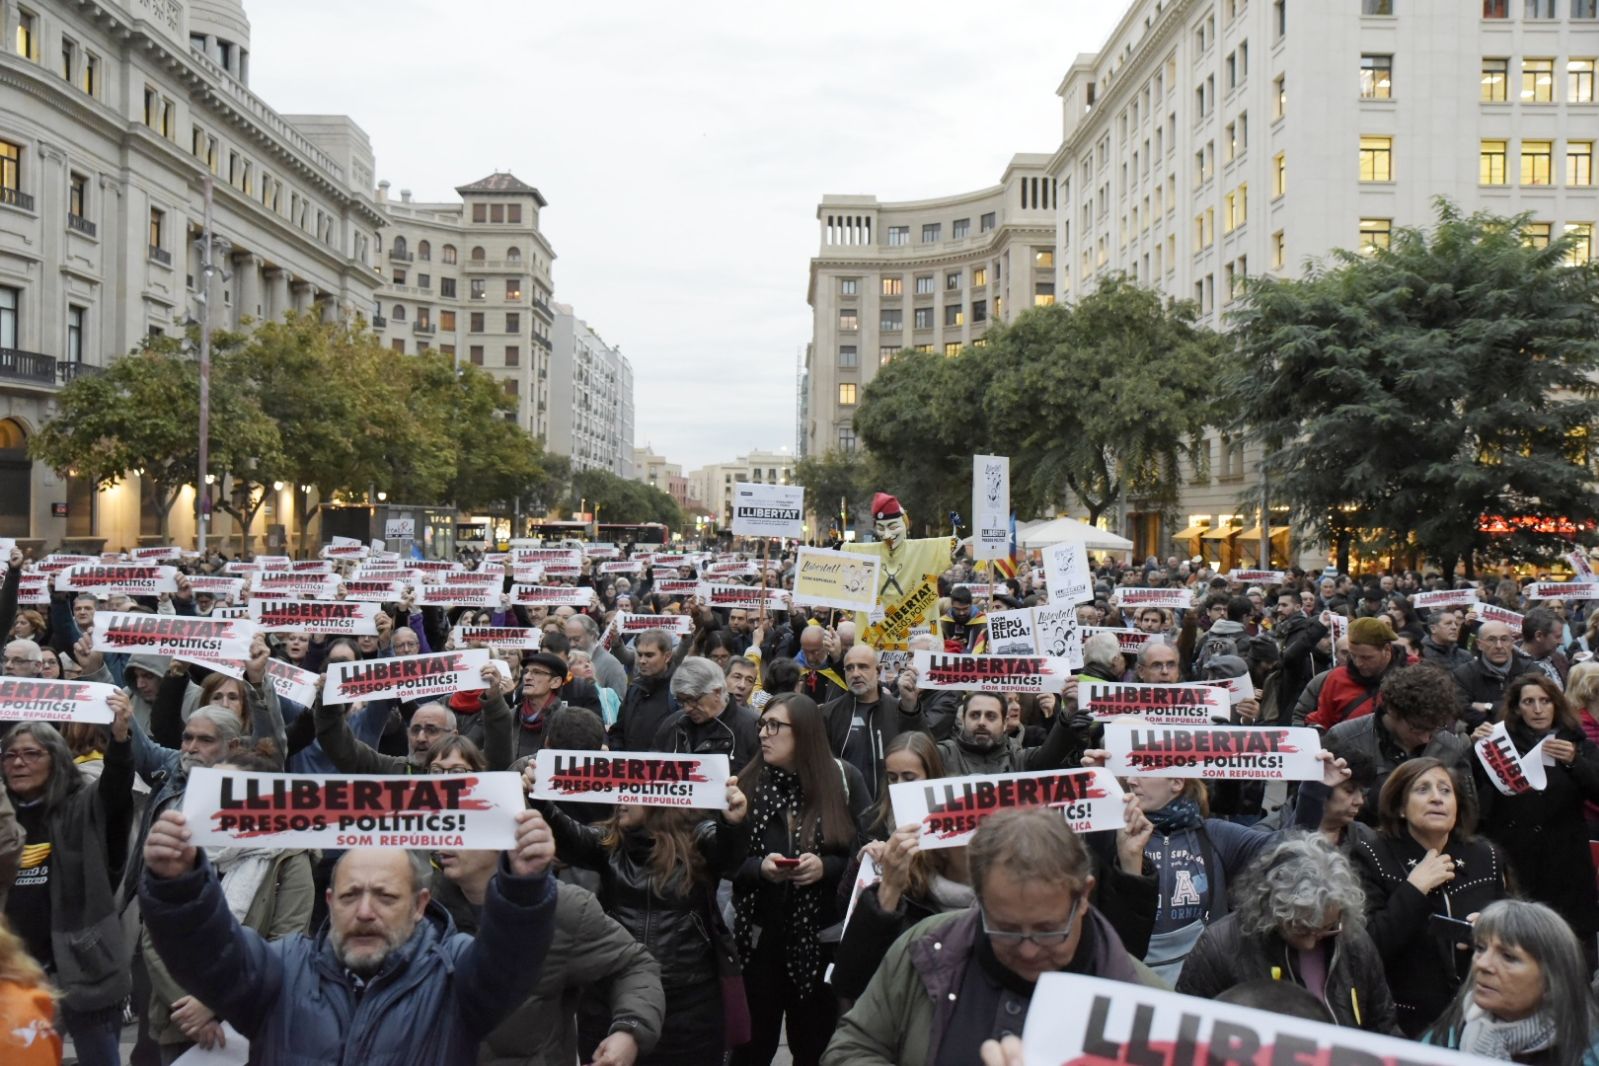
[[16, 480], [399, 313], [514, 254], [477, 254], [449, 253], [424, 250], [399, 246]]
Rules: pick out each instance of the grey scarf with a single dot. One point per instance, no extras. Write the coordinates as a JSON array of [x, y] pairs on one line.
[[1491, 1038]]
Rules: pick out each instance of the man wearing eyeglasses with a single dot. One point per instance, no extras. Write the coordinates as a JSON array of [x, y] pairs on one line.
[[1481, 683], [22, 659], [430, 722], [967, 976]]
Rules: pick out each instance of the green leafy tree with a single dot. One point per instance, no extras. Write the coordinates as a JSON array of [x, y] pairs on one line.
[[618, 499], [142, 415], [1411, 392], [1103, 397], [830, 478]]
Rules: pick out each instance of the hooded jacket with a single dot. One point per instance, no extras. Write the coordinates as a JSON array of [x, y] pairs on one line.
[[436, 998]]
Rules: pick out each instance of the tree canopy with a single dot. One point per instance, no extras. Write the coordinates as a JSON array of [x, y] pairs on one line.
[[621, 500], [1419, 392]]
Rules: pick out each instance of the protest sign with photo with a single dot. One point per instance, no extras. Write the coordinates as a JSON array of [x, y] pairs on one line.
[[949, 809], [1194, 704], [940, 671], [343, 618], [230, 808], [1049, 631], [652, 780], [990, 507], [1066, 574], [410, 677], [843, 580], [127, 579], [768, 510], [503, 638], [172, 634], [1229, 753], [39, 700]]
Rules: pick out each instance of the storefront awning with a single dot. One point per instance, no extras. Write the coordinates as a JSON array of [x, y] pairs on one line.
[[1223, 533], [1191, 533], [1254, 534]]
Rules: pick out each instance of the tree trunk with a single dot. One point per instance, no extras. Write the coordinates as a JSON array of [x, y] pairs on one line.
[[1342, 552]]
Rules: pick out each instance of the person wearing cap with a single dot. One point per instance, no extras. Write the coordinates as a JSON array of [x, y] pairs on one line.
[[904, 567], [1354, 689], [964, 628]]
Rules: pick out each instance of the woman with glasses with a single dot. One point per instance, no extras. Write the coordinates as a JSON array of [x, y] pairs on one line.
[[63, 901], [1300, 916], [1526, 998], [1426, 878], [805, 812], [1545, 831]]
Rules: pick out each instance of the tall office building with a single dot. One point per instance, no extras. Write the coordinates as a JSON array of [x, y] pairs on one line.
[[591, 398]]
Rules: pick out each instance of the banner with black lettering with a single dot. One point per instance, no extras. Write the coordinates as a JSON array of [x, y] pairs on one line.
[[159, 554], [33, 590], [677, 586], [229, 808], [1050, 631], [949, 809], [172, 634], [546, 557], [292, 683], [768, 510], [653, 780], [1511, 772], [1217, 752], [228, 588], [343, 618], [1094, 1021], [291, 583], [453, 594], [1068, 579], [1131, 641], [990, 507], [631, 625], [38, 700], [1492, 612], [408, 677], [111, 579], [990, 673], [503, 638], [1426, 601], [551, 595], [1172, 599], [1558, 590], [748, 597], [1194, 704], [1257, 577], [373, 590]]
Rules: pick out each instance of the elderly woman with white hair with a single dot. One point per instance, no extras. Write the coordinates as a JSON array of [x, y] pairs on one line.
[[1526, 998], [1300, 916]]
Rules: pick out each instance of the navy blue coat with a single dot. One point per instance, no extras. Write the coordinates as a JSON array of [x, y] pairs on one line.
[[436, 998]]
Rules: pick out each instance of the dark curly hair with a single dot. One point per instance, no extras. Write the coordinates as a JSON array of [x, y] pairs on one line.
[[1423, 696]]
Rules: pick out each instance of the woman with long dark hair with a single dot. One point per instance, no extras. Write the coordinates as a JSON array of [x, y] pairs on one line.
[[805, 810]]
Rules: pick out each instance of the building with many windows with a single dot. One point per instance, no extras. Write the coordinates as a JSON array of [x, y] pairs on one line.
[[926, 274], [472, 279], [113, 118], [591, 398], [654, 471], [1210, 140], [713, 485]]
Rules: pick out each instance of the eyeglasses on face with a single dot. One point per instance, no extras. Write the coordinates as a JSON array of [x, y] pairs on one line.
[[1048, 938], [440, 768], [1320, 932], [773, 726], [24, 755], [426, 730]]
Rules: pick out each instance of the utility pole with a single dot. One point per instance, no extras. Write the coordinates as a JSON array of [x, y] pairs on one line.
[[202, 491]]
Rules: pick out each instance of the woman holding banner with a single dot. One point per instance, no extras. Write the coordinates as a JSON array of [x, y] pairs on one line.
[[1526, 998], [1545, 831], [1425, 876], [805, 811]]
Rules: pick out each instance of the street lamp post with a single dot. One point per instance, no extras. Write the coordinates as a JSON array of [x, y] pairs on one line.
[[208, 245]]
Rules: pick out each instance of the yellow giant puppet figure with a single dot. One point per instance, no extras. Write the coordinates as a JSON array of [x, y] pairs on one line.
[[908, 571]]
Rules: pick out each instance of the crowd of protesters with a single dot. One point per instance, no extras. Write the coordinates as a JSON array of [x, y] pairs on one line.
[[1403, 894]]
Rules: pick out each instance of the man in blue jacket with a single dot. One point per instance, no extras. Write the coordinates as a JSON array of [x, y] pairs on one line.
[[387, 982]]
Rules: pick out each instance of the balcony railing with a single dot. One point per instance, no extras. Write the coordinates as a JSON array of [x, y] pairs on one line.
[[68, 371], [16, 198], [79, 224], [541, 306], [399, 256], [161, 255], [379, 322], [30, 368], [423, 327]]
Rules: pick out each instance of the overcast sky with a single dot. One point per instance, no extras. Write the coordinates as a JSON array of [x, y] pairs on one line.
[[683, 149]]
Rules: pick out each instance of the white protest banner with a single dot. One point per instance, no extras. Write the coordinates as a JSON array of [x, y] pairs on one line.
[[504, 638], [1337, 626], [631, 625], [377, 546], [1094, 1021], [159, 554], [228, 588], [551, 595], [54, 564], [7, 546], [435, 565], [711, 594], [1179, 599], [463, 578], [677, 586], [1229, 753], [33, 589], [372, 590], [239, 566], [229, 612], [1562, 590], [344, 548], [990, 507], [309, 566], [345, 618], [38, 700], [1011, 632], [1167, 704], [622, 566], [108, 579], [843, 580], [1238, 688], [399, 529], [939, 671], [601, 551], [409, 677], [453, 595], [652, 780], [768, 510], [1066, 573], [1443, 598], [1257, 577], [274, 562], [233, 668], [563, 570], [172, 634], [1492, 612], [949, 809], [546, 556], [292, 683], [1511, 772], [1581, 566], [1049, 631], [1127, 640], [281, 582], [669, 560], [113, 557], [467, 811]]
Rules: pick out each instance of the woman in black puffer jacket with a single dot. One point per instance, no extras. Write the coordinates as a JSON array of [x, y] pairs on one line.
[[658, 871]]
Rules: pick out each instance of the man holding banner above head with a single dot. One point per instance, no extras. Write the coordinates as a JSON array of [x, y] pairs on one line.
[[388, 980], [908, 573], [967, 976], [430, 722]]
